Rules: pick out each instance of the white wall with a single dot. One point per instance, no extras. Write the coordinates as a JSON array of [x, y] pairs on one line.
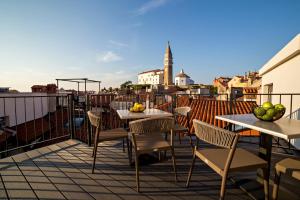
[[21, 109], [283, 71], [152, 78]]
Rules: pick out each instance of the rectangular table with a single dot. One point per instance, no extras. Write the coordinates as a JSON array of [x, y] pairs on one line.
[[283, 128], [126, 114]]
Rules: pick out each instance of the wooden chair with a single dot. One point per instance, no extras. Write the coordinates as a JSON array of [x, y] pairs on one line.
[[183, 112], [107, 135], [146, 136], [286, 166], [226, 159]]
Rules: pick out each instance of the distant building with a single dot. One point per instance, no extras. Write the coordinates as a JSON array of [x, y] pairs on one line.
[[152, 77], [221, 83], [165, 77], [238, 86], [168, 66], [4, 89], [183, 79], [247, 80], [49, 88]]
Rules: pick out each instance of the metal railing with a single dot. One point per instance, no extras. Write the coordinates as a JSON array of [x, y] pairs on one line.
[[27, 121]]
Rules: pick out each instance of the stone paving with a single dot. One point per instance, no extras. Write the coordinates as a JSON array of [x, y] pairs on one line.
[[63, 171]]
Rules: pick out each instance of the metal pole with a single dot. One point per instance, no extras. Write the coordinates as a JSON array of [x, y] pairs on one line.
[[78, 88], [57, 84], [71, 101], [99, 87], [88, 107]]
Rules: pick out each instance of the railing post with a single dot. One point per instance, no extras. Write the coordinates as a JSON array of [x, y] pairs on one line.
[[88, 107], [230, 108], [71, 103]]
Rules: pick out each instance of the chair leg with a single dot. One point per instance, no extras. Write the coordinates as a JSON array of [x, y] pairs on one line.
[[266, 183], [129, 146], [123, 144], [276, 185], [179, 137], [223, 187], [191, 169], [95, 155], [191, 143], [129, 151], [137, 171], [95, 143], [174, 163]]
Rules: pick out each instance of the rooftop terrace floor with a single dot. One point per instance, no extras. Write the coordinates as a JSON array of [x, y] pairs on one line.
[[63, 171]]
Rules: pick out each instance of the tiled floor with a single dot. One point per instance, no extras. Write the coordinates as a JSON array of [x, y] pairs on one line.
[[63, 171]]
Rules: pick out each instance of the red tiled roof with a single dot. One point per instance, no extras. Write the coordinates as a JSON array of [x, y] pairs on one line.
[[206, 109], [250, 90], [154, 70]]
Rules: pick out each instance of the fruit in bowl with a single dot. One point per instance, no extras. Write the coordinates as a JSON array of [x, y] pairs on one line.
[[137, 107], [269, 112]]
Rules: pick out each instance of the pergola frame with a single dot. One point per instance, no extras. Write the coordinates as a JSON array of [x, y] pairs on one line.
[[78, 81]]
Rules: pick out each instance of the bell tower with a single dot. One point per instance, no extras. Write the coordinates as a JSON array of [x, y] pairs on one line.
[[168, 66]]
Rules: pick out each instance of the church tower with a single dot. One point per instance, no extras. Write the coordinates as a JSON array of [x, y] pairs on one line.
[[168, 66]]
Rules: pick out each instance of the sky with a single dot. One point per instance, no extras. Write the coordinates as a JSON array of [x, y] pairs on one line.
[[114, 40]]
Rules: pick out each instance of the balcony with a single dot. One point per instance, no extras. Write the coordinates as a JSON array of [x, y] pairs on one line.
[[56, 167]]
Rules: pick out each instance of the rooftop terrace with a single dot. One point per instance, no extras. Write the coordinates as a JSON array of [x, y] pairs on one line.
[[63, 171]]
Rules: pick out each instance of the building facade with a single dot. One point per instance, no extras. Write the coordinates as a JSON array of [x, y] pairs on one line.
[[168, 66], [280, 75], [152, 77], [183, 79], [49, 88]]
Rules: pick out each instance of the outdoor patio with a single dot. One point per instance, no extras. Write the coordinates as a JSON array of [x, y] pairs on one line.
[[63, 171]]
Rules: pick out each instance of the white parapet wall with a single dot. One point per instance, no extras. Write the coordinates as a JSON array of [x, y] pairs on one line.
[[282, 74], [22, 107]]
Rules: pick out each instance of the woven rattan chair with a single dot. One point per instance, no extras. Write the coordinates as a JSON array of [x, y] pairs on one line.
[[226, 158], [287, 166], [146, 136], [106, 135], [180, 129]]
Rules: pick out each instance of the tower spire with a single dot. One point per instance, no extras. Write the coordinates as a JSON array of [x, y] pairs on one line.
[[168, 66]]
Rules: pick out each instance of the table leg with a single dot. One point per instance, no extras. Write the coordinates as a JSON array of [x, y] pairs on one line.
[[128, 143], [265, 151]]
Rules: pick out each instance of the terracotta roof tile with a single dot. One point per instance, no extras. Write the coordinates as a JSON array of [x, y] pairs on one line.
[[205, 109]]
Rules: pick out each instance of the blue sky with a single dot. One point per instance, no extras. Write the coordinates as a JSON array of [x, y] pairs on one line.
[[114, 40]]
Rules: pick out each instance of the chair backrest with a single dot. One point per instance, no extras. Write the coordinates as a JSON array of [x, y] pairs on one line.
[[182, 110], [94, 119], [215, 135], [152, 125]]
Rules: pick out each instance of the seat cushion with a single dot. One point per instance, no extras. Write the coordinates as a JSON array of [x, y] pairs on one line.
[[113, 134], [242, 160], [149, 143], [180, 128], [288, 165], [296, 174]]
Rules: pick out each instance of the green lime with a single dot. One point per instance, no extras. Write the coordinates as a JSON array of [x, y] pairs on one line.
[[259, 111], [267, 117], [267, 105], [279, 107], [271, 112]]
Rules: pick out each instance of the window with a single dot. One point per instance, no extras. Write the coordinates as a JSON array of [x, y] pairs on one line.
[[268, 89]]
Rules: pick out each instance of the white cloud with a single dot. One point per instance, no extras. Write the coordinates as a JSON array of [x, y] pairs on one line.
[[118, 44], [108, 56], [150, 5]]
